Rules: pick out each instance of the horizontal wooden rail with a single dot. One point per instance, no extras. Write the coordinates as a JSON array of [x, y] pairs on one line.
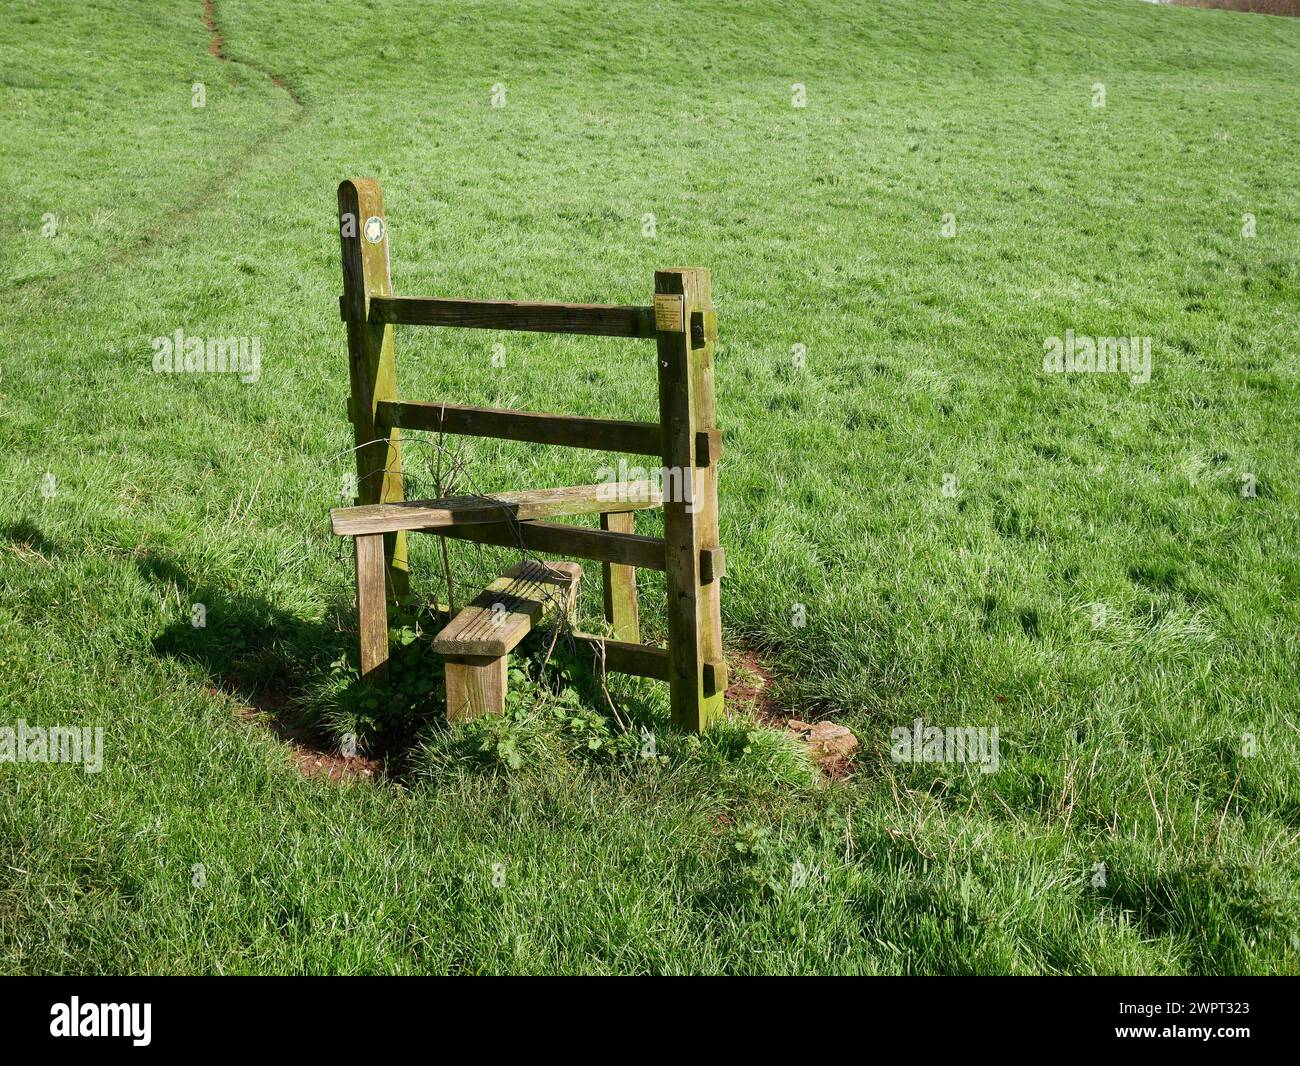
[[605, 434], [594, 320], [570, 431], [499, 507], [630, 549], [600, 545], [644, 660]]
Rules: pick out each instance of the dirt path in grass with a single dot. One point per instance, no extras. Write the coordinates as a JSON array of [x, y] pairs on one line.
[[215, 41], [1257, 7], [217, 47], [208, 193], [310, 753]]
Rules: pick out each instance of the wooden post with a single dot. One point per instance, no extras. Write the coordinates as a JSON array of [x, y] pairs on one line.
[[476, 685], [363, 234], [372, 607], [683, 300], [620, 583]]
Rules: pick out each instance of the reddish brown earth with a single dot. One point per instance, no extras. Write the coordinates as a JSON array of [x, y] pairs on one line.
[[750, 691], [1258, 7], [217, 47], [214, 35], [832, 745], [307, 751]]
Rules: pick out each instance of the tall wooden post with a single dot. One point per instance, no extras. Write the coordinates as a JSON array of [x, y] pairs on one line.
[[684, 326], [363, 233]]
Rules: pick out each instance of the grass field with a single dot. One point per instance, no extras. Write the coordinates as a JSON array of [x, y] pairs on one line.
[[1105, 571]]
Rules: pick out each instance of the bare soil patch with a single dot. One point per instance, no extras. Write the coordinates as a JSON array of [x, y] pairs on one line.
[[1257, 7], [308, 751]]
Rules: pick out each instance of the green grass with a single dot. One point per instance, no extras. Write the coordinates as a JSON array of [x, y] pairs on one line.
[[1120, 744]]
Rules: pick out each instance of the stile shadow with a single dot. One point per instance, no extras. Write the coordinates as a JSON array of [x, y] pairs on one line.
[[268, 659]]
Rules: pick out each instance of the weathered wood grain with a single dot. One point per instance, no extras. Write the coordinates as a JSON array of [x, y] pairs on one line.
[[371, 362], [596, 320], [619, 588], [554, 538], [372, 607], [537, 427], [623, 657], [476, 510], [713, 567], [686, 407], [502, 614], [476, 685]]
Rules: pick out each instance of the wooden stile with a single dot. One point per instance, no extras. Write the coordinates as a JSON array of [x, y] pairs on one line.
[[686, 439]]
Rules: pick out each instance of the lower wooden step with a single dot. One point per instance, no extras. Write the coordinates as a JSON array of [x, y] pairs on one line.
[[502, 614]]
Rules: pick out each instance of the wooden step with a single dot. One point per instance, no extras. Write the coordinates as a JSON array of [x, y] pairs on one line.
[[482, 510], [504, 612]]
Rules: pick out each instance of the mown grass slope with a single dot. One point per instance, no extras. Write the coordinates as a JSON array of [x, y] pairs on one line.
[[1145, 812]]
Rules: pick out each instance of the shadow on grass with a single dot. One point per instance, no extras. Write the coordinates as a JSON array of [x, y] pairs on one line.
[[276, 664], [300, 678], [26, 537], [1221, 909]]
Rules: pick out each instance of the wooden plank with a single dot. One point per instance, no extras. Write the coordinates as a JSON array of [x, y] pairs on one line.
[[645, 660], [554, 538], [476, 685], [596, 320], [622, 657], [475, 510], [599, 545], [536, 427], [363, 237], [502, 614], [372, 607], [619, 588], [603, 434], [694, 627]]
